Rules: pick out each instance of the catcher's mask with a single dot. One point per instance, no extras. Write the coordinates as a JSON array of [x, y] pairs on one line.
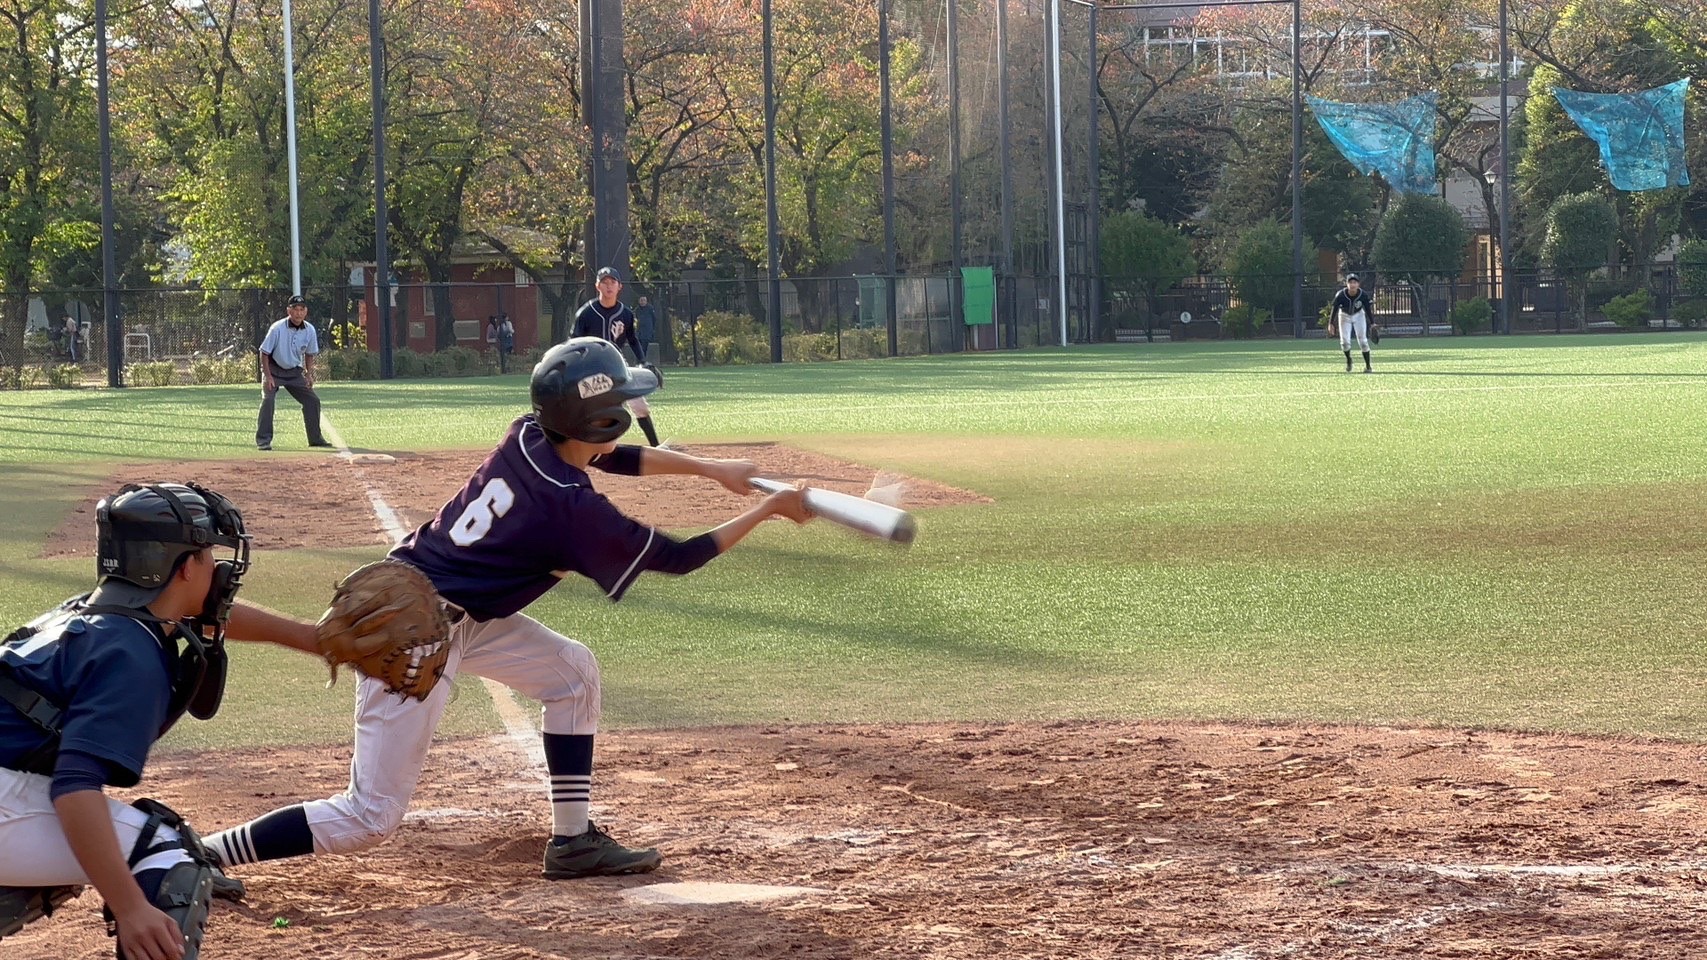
[[580, 386], [144, 533]]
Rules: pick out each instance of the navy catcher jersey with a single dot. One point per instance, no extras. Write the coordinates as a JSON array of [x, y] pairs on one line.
[[111, 675], [521, 523]]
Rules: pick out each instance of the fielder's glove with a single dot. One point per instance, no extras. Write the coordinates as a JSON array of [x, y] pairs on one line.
[[388, 621], [1374, 333]]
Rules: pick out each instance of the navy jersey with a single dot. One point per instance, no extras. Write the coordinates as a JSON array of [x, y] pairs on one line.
[[521, 523], [112, 676], [1349, 305], [594, 319]]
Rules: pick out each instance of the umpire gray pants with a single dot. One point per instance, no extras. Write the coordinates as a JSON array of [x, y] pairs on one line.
[[297, 384]]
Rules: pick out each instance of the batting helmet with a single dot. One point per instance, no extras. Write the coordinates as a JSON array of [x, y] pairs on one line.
[[145, 531], [580, 386]]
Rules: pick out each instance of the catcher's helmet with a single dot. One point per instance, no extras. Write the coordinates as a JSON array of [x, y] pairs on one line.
[[143, 533], [579, 388]]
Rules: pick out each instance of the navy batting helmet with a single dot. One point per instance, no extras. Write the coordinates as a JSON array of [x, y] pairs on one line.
[[580, 386]]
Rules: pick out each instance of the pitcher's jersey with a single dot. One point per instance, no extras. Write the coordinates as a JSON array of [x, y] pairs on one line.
[[525, 520], [110, 674]]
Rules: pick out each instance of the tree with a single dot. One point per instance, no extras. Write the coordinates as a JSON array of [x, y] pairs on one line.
[[1143, 257], [1260, 267], [1420, 238], [1579, 238], [46, 150]]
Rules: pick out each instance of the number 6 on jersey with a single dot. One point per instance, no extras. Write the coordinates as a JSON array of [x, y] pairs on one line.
[[493, 501]]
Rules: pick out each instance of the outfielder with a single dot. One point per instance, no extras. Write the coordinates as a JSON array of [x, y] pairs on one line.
[[607, 317], [85, 691], [1354, 311], [527, 518]]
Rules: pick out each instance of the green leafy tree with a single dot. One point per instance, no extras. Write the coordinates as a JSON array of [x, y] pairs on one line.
[[47, 154], [1143, 257], [1420, 239], [1579, 237], [1260, 267]]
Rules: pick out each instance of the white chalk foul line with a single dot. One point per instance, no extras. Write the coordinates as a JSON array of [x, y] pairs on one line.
[[519, 729]]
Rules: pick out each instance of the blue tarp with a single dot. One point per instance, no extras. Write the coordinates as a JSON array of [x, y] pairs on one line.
[[1395, 140], [1640, 134]]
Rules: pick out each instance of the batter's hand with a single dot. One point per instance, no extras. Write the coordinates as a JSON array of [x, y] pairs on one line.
[[790, 504], [733, 474], [149, 934]]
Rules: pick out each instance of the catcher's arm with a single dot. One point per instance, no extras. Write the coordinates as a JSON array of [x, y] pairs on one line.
[[253, 623]]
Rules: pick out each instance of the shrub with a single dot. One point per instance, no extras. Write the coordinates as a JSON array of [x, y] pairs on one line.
[[228, 370], [20, 377], [1692, 314], [1631, 310], [1472, 315], [1242, 321], [63, 376], [1692, 267], [407, 363], [160, 373], [461, 361]]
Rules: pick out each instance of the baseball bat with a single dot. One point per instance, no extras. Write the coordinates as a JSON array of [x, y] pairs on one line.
[[856, 513]]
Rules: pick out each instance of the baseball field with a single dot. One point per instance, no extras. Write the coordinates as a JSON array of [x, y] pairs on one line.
[[1203, 651]]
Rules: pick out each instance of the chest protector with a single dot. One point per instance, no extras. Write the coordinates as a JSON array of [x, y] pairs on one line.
[[197, 674]]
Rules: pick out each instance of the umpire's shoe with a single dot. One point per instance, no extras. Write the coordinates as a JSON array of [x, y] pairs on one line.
[[595, 854], [20, 905]]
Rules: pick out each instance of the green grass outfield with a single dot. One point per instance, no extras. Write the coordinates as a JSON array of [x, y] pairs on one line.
[[1489, 532]]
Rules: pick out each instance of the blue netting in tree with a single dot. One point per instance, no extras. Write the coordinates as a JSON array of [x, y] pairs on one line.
[[1395, 140], [1640, 134]]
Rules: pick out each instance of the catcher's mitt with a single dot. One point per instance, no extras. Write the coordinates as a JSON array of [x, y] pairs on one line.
[[387, 620]]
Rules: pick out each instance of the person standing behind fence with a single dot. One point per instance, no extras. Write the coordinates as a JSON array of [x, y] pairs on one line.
[[501, 334], [70, 335], [646, 321], [608, 318], [287, 360], [1354, 311]]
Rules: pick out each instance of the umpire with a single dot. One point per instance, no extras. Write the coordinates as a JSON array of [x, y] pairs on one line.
[[287, 360]]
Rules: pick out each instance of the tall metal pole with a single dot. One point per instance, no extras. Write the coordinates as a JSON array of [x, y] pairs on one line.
[[1007, 168], [1057, 161], [381, 249], [1093, 200], [773, 228], [890, 299], [1505, 167], [1297, 168], [290, 151], [110, 309], [957, 316]]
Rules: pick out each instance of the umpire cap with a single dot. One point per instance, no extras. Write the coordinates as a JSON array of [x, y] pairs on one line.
[[580, 386]]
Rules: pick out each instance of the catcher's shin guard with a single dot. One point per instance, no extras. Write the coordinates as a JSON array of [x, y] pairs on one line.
[[186, 891], [23, 905]]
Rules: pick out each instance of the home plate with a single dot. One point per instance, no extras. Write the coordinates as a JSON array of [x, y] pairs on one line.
[[695, 893]]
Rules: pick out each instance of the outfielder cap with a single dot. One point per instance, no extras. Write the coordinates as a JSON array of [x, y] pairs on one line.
[[296, 301], [1350, 277], [607, 272]]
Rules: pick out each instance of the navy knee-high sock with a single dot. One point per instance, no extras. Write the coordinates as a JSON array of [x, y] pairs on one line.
[[569, 763]]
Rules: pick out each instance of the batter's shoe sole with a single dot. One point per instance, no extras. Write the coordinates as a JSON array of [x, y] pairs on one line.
[[23, 905], [595, 854]]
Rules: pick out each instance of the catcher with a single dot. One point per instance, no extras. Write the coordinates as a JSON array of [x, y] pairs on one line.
[[527, 518], [85, 691]]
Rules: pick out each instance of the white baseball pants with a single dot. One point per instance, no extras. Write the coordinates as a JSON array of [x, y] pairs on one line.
[[1355, 323], [35, 853], [393, 733]]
